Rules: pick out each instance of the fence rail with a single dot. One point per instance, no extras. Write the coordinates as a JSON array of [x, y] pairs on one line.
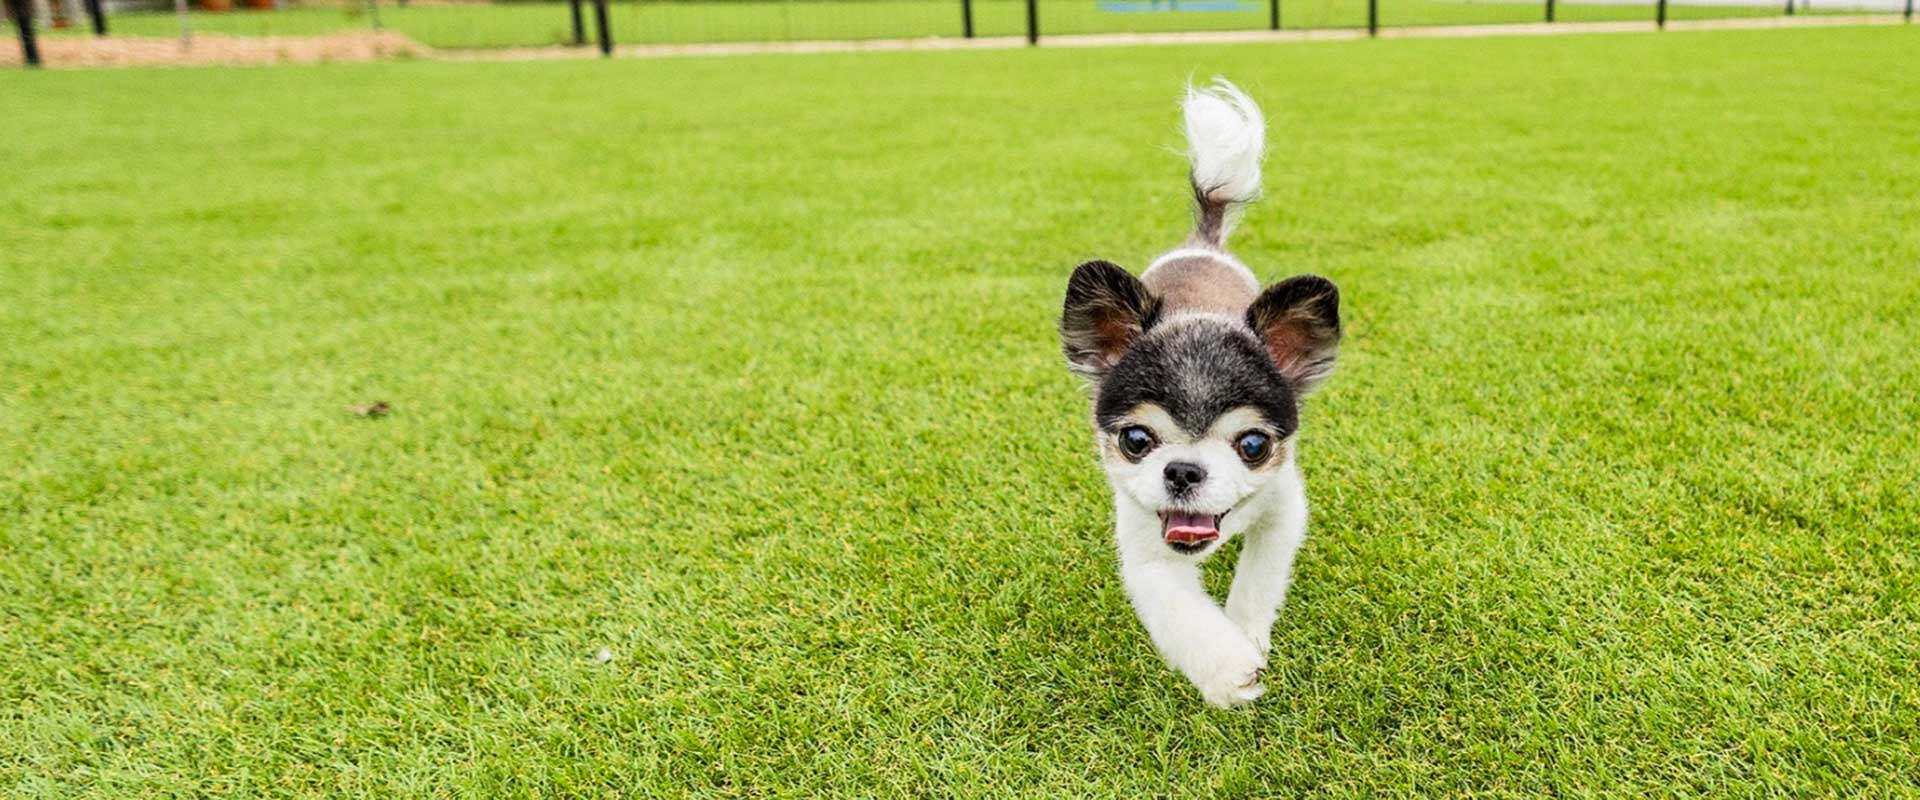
[[559, 23]]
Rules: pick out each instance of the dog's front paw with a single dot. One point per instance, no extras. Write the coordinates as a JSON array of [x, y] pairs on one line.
[[1230, 675]]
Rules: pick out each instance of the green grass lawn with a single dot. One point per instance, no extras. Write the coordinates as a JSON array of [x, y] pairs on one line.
[[744, 370], [530, 24]]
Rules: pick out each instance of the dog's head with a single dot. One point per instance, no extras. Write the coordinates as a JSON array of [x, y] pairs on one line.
[[1195, 411]]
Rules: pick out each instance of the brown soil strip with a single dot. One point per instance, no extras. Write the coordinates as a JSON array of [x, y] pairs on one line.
[[214, 48]]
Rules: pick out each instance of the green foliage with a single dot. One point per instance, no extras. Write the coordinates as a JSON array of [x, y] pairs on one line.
[[535, 24]]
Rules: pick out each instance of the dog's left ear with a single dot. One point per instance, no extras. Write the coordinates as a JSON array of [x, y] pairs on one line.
[[1299, 321], [1106, 309]]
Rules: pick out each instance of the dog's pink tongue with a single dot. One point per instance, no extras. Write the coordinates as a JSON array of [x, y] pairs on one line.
[[1190, 528]]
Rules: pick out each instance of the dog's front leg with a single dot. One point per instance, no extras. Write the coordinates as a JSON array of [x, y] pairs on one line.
[[1265, 570], [1190, 631]]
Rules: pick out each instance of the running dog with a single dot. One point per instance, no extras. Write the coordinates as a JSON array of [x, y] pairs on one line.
[[1197, 376]]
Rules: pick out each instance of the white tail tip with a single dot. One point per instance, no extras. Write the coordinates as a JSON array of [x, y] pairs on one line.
[[1226, 138]]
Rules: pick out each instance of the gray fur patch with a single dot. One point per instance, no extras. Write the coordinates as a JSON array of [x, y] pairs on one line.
[[1197, 368]]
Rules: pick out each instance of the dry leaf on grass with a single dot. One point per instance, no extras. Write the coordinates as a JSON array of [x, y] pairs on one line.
[[377, 408]]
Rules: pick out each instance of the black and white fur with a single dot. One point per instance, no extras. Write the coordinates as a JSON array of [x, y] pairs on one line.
[[1194, 360]]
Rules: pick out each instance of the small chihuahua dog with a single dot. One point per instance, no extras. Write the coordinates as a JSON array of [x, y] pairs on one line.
[[1196, 376]]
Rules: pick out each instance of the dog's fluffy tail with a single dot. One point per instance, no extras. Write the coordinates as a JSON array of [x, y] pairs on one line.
[[1226, 137]]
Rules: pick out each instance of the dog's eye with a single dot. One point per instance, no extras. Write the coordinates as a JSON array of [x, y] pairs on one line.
[[1253, 446], [1135, 441]]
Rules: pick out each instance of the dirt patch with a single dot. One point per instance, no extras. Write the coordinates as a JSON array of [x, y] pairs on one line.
[[213, 48]]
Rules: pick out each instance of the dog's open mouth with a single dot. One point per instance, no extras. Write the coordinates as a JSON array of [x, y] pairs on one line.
[[1188, 532]]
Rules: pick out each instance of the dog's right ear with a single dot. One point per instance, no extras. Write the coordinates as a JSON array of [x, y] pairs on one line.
[[1299, 321], [1106, 309]]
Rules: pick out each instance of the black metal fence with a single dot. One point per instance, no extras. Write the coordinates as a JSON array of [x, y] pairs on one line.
[[602, 23]]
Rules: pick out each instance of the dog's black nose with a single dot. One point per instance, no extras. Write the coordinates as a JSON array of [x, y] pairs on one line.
[[1182, 476]]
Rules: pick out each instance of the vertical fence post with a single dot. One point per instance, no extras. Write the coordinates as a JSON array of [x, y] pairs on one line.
[[186, 22], [966, 18], [606, 34], [1660, 15], [1908, 14], [99, 17], [1033, 22], [1549, 10], [23, 22], [373, 13], [1273, 15], [1789, 8], [579, 25], [1373, 17]]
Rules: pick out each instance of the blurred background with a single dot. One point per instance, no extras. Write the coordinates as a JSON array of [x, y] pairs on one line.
[[457, 24]]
